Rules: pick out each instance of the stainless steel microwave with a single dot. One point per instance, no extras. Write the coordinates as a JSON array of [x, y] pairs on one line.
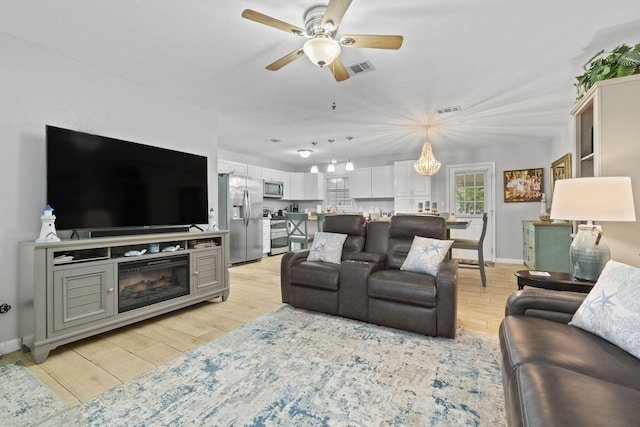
[[273, 189]]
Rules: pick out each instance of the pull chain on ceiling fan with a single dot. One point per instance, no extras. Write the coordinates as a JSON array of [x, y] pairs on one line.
[[321, 27]]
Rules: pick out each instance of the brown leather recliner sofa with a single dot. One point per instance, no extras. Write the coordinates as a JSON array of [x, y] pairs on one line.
[[560, 375], [368, 284]]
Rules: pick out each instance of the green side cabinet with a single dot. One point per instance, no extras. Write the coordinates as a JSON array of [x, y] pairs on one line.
[[546, 246]]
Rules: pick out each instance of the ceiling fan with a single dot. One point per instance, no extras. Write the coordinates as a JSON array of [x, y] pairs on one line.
[[320, 27]]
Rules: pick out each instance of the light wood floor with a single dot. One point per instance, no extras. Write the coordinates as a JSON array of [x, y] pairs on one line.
[[79, 371]]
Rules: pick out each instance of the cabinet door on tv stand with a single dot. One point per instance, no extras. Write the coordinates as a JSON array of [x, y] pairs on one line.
[[81, 295], [207, 271]]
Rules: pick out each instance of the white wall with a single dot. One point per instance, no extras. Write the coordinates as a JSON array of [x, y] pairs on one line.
[[39, 87]]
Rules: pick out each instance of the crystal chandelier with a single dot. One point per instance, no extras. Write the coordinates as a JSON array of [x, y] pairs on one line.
[[427, 164]]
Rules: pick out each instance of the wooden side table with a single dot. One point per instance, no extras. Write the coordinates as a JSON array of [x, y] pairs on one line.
[[554, 281]]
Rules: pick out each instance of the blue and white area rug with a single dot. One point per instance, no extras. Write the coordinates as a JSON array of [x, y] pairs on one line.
[[297, 368], [23, 398]]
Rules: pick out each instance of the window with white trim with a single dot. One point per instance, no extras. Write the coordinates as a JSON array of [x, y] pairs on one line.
[[469, 193], [338, 191]]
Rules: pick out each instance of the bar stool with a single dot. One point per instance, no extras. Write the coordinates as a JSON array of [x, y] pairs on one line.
[[296, 223]]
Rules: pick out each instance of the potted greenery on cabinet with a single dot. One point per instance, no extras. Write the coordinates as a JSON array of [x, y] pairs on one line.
[[620, 62]]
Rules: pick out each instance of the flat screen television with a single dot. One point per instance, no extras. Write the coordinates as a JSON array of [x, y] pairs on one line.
[[95, 182]]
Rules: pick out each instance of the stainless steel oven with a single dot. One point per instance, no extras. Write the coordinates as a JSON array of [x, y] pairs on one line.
[[279, 239]]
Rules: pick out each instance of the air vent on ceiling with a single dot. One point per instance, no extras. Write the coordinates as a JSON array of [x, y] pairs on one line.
[[360, 68], [272, 140], [447, 110]]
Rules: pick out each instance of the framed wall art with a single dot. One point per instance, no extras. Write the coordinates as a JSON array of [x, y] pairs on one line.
[[560, 169], [523, 185]]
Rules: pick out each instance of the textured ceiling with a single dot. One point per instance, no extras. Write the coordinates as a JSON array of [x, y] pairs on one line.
[[509, 64]]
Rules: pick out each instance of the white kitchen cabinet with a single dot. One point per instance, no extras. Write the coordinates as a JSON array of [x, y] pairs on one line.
[[254, 172], [297, 186], [382, 183], [403, 205], [411, 188], [360, 185], [372, 183], [224, 166], [314, 185], [239, 169], [272, 174], [408, 182], [286, 179], [266, 235]]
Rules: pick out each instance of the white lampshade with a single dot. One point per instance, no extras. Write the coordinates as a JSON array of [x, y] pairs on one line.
[[331, 167], [322, 50], [314, 168], [593, 199], [349, 166]]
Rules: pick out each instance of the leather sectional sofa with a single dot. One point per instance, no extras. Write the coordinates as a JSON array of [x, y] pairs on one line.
[[559, 375], [368, 284]]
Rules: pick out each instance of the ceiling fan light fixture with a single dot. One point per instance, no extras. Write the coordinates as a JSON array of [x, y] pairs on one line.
[[305, 153], [322, 50]]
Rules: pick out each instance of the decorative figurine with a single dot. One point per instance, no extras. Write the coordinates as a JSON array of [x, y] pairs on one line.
[[212, 220], [135, 253], [48, 230]]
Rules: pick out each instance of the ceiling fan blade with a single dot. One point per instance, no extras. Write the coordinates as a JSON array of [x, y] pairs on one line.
[[252, 15], [275, 66], [376, 42], [334, 13], [338, 69]]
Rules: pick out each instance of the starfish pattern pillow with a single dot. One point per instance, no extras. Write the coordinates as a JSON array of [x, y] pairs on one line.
[[425, 255], [611, 310], [327, 247]]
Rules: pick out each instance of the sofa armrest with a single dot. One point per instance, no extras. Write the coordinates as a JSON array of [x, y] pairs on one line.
[[447, 298], [545, 304], [289, 259], [368, 257]]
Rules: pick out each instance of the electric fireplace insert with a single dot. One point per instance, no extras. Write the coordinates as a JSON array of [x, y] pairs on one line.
[[142, 283]]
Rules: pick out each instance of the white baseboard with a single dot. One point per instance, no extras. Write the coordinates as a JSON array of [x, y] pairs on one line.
[[9, 346], [511, 261]]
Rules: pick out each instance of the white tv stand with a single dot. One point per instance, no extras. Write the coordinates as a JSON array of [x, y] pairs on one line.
[[70, 290]]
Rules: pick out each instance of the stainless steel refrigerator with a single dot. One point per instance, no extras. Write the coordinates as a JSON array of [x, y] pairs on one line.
[[240, 212]]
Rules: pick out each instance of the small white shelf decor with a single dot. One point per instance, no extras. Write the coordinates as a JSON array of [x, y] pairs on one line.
[[48, 229]]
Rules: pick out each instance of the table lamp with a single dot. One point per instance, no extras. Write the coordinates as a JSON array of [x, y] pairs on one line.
[[592, 199]]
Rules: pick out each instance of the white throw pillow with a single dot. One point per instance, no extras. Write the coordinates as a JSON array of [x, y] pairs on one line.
[[425, 255], [612, 308], [327, 247]]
